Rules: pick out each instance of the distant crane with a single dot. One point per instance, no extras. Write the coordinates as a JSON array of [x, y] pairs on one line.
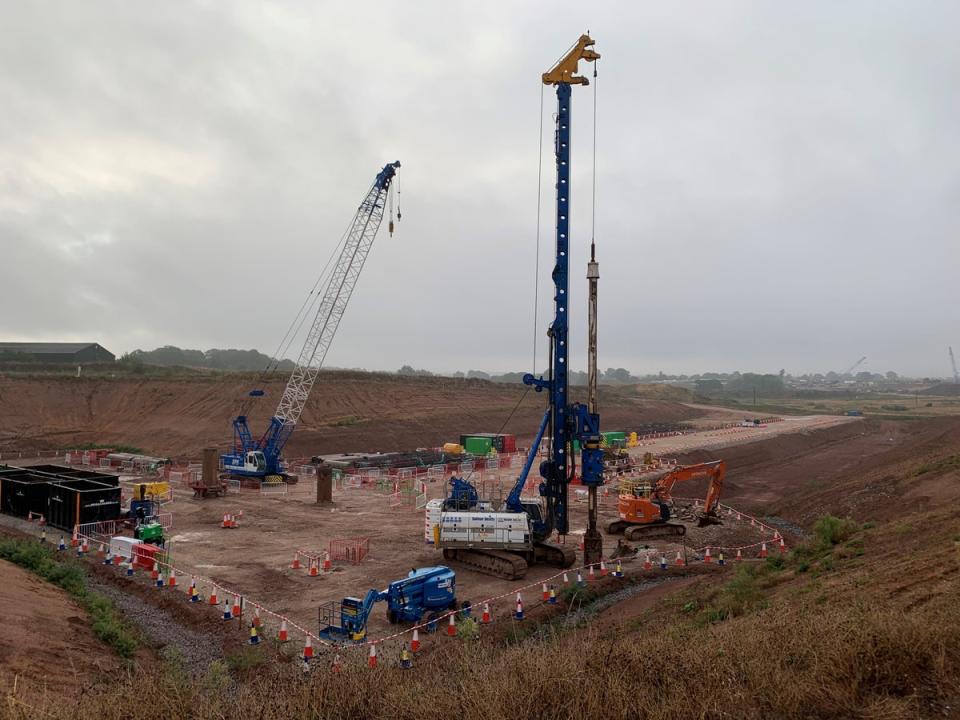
[[953, 362], [260, 457], [858, 363]]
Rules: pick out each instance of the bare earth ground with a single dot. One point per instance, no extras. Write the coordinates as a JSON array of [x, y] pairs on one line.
[[46, 636], [347, 412]]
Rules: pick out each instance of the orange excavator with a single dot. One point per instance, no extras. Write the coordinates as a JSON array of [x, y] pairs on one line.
[[644, 508]]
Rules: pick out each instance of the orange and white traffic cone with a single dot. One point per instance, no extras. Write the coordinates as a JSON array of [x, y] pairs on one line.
[[100, 552], [415, 642], [235, 610], [566, 580], [372, 660], [706, 557], [295, 565], [313, 568], [763, 550], [546, 593], [213, 596], [336, 663], [283, 635], [452, 626], [647, 565], [307, 649], [75, 542], [739, 556], [603, 569], [591, 576], [172, 580], [256, 615], [327, 565], [783, 548], [485, 617], [155, 572], [226, 520], [679, 561]]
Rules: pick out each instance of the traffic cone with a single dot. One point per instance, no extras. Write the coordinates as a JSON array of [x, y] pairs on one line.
[[739, 556], [43, 534], [618, 570], [783, 548], [226, 520], [706, 557], [282, 636], [738, 517], [591, 576], [295, 565], [256, 615], [553, 596], [327, 565], [82, 549], [763, 550], [213, 596], [679, 560], [117, 559], [485, 618], [254, 635], [546, 593], [194, 595], [452, 626], [580, 582], [372, 659], [172, 579], [235, 519], [235, 610], [159, 580], [663, 562], [130, 567], [647, 565], [603, 569], [415, 642], [566, 580], [336, 663], [720, 558], [313, 568], [61, 545], [518, 615], [155, 572], [75, 541], [100, 552], [108, 558], [307, 649], [227, 615], [406, 662]]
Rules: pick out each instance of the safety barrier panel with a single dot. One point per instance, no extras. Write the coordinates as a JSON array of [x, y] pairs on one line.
[[351, 550]]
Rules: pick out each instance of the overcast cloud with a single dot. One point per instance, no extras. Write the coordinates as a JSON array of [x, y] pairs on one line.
[[778, 183]]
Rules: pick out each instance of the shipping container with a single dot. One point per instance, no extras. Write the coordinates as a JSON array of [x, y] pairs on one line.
[[22, 492], [501, 442], [59, 472], [612, 436], [79, 501], [478, 445]]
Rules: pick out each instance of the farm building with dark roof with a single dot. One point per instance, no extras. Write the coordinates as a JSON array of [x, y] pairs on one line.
[[54, 352]]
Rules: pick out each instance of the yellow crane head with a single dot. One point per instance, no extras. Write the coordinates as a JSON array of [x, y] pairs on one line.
[[565, 71]]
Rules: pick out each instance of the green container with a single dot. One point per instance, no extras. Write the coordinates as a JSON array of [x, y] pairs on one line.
[[478, 445], [612, 436], [147, 533]]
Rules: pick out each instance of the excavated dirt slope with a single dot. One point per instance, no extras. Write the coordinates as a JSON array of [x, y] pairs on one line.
[[347, 411]]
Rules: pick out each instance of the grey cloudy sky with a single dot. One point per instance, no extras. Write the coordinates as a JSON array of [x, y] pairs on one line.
[[778, 183]]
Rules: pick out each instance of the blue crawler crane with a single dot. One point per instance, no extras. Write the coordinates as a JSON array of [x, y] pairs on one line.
[[424, 590]]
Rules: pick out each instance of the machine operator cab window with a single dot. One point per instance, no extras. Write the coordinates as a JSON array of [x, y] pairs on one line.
[[256, 461], [642, 491]]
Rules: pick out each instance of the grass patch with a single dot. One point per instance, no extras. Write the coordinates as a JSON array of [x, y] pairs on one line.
[[69, 575], [951, 462]]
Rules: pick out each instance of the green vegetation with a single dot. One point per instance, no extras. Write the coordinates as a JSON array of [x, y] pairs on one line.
[[69, 575], [951, 462]]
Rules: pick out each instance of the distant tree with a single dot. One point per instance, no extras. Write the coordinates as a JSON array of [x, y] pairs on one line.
[[458, 374], [708, 387], [864, 376], [892, 376], [406, 370], [617, 376], [480, 374]]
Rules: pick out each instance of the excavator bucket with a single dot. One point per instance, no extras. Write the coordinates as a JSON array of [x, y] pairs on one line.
[[707, 519]]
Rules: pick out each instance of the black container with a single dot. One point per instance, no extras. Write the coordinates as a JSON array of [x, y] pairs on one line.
[[62, 472], [75, 502], [22, 493]]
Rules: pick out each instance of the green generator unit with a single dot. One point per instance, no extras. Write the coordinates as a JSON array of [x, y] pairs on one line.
[[478, 445], [151, 533]]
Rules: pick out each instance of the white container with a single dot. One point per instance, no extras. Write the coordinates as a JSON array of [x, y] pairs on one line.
[[123, 546], [431, 519]]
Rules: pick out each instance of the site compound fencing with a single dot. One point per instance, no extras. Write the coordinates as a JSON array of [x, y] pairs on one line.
[[504, 607]]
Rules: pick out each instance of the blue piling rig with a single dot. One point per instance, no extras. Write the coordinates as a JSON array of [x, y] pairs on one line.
[[563, 421]]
